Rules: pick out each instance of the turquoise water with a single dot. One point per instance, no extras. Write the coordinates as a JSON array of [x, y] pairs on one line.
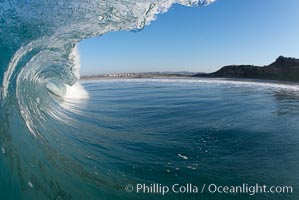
[[61, 141], [163, 131]]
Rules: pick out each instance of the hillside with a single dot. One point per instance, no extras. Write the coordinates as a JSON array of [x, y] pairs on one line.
[[284, 68]]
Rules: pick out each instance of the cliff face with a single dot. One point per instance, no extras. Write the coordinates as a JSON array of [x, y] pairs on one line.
[[285, 69]]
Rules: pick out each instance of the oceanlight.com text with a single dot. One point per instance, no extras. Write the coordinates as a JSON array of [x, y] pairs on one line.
[[189, 188]]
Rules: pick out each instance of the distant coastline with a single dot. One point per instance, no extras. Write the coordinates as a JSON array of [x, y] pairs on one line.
[[282, 69], [138, 75]]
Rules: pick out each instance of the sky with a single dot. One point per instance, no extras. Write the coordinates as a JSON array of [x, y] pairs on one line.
[[199, 39]]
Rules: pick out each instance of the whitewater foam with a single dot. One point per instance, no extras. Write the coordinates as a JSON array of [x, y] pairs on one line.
[[215, 81], [75, 91]]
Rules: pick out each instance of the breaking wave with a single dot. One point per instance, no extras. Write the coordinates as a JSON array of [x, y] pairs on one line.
[[39, 74]]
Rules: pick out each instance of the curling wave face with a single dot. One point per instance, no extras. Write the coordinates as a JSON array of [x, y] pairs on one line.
[[38, 38], [39, 73]]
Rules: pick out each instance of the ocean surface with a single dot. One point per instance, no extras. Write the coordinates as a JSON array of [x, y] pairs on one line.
[[154, 131], [98, 140]]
